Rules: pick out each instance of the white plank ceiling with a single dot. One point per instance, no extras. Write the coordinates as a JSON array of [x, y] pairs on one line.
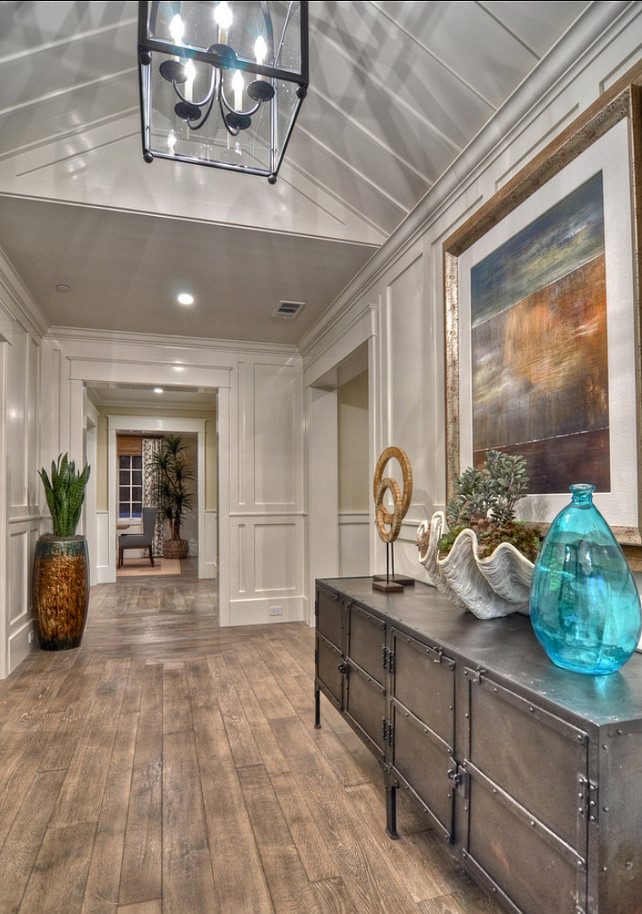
[[397, 90]]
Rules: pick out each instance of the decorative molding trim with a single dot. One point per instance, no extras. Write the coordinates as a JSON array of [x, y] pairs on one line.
[[16, 300], [124, 338]]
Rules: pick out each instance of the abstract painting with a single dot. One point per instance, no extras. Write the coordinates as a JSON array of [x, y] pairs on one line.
[[539, 346]]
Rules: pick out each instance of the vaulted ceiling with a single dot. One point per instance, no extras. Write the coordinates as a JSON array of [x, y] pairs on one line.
[[397, 90]]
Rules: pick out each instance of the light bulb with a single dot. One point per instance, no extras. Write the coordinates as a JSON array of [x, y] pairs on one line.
[[176, 29], [238, 85], [260, 50], [223, 18]]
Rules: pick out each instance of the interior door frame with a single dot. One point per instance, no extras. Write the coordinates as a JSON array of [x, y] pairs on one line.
[[162, 425]]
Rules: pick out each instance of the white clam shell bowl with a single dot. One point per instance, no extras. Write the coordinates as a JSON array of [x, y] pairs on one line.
[[489, 587]]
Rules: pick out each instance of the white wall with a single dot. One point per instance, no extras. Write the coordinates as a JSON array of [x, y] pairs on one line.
[[20, 487], [402, 287]]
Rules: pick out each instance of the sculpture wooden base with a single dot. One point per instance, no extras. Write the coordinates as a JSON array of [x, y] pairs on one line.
[[387, 585], [402, 579]]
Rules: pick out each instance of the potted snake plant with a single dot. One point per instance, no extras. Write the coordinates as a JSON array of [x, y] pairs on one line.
[[61, 567]]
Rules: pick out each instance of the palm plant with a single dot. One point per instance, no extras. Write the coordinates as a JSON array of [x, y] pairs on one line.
[[172, 472], [65, 493]]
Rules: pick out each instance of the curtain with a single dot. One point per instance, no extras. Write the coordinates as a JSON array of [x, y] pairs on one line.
[[149, 447]]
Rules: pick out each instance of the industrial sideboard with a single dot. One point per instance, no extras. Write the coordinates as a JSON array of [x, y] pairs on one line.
[[532, 773]]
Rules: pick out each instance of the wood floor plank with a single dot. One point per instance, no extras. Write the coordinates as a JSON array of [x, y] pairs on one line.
[[103, 880], [313, 851], [188, 883], [290, 889], [141, 875], [145, 907], [238, 874], [239, 732], [21, 847], [267, 820], [82, 791], [271, 753], [57, 881], [333, 897], [267, 688]]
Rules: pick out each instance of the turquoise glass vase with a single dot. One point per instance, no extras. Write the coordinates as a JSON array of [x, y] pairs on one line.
[[585, 607]]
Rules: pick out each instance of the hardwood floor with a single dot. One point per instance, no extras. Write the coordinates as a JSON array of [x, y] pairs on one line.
[[171, 767]]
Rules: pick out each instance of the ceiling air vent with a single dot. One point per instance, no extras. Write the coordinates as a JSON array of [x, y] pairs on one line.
[[288, 309]]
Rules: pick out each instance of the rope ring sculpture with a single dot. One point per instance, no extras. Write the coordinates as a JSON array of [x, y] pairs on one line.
[[389, 523]]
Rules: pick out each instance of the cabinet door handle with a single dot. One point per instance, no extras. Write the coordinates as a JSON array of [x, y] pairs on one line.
[[343, 667], [455, 776]]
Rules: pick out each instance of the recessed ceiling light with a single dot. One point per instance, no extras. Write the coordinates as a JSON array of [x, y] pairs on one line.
[[185, 299], [62, 287], [158, 390]]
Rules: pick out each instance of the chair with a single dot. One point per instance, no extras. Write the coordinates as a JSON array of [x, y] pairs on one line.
[[139, 540]]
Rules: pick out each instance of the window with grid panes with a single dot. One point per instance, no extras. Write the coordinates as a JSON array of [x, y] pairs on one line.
[[130, 485]]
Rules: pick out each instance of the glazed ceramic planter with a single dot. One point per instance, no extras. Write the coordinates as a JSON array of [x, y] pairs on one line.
[[60, 591]]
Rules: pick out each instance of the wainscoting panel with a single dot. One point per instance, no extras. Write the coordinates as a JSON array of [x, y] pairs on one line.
[[100, 561], [271, 540], [277, 436], [21, 549], [210, 564], [268, 585], [354, 544]]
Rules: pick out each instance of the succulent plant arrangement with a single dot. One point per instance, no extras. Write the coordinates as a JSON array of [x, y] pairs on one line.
[[65, 493], [485, 501]]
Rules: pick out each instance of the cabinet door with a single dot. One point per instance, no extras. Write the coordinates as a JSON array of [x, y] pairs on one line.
[[365, 707], [423, 718], [330, 617], [525, 773], [329, 664], [366, 642]]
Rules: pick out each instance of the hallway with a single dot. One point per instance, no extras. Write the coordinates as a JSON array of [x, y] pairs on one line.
[[172, 767]]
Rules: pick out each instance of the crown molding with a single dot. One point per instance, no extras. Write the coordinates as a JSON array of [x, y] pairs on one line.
[[161, 341], [16, 300]]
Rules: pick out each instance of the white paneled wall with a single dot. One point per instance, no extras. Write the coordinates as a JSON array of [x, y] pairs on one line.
[[402, 286], [266, 514], [20, 484]]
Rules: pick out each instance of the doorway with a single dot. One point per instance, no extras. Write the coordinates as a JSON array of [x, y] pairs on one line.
[[340, 469]]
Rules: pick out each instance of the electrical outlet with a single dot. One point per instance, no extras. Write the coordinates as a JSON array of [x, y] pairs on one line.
[[31, 637], [276, 610]]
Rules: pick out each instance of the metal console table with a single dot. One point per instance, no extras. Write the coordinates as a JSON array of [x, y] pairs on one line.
[[532, 773]]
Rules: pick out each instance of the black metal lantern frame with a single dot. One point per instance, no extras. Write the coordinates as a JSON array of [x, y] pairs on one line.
[[221, 83]]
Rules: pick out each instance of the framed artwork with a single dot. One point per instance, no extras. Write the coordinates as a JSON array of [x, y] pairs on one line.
[[542, 298]]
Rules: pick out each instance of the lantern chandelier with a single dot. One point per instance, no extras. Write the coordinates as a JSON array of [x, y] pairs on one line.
[[221, 83]]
